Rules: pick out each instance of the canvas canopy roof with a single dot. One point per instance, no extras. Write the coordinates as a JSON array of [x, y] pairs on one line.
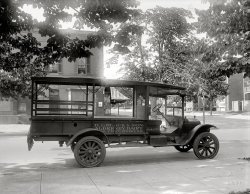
[[156, 89]]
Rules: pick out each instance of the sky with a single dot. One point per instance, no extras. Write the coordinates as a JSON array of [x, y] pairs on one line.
[[186, 4], [112, 72], [144, 5]]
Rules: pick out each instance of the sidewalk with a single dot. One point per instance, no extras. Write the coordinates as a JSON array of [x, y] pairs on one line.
[[22, 129], [14, 129], [230, 115], [146, 170]]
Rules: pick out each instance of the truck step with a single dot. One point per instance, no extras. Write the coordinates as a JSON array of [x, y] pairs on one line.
[[128, 144]]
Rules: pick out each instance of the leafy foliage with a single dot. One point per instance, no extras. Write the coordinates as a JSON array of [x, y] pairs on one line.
[[20, 52], [172, 55], [240, 192], [166, 28], [23, 56], [151, 60], [198, 74], [228, 23]]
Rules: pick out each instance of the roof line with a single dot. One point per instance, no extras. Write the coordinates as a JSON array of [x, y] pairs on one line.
[[101, 81]]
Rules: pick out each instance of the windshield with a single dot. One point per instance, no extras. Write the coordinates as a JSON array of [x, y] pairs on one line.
[[165, 104], [173, 105]]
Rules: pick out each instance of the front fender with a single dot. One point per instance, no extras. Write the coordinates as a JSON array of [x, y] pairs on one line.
[[195, 132], [84, 132]]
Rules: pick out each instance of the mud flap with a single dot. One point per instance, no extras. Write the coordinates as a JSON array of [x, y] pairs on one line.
[[30, 141]]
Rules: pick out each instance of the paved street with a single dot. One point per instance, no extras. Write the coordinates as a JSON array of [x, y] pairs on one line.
[[51, 169]]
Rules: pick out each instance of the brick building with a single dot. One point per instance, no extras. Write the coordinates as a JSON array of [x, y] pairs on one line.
[[238, 98]]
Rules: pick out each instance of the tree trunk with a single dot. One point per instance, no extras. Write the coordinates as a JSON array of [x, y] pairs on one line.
[[142, 58], [211, 106], [203, 108], [199, 103], [160, 61]]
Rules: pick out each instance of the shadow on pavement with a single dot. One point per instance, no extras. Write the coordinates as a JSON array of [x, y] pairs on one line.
[[111, 159], [148, 158]]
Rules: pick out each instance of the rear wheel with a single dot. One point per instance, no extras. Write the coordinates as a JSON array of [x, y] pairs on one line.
[[89, 152], [206, 146], [183, 148]]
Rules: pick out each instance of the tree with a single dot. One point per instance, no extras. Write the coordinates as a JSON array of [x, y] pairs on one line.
[[228, 23], [23, 57], [167, 29], [173, 55], [136, 65], [205, 59]]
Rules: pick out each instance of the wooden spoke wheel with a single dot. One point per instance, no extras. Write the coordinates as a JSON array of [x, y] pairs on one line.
[[206, 146], [183, 148], [89, 151]]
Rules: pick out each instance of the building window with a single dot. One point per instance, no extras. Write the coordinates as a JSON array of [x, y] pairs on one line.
[[247, 89], [247, 96], [82, 66], [22, 107], [55, 68]]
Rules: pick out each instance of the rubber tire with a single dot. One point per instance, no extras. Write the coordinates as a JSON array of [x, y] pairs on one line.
[[197, 143], [180, 149], [98, 142]]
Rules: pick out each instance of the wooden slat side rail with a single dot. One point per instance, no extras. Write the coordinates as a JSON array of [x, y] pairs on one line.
[[62, 107], [63, 102]]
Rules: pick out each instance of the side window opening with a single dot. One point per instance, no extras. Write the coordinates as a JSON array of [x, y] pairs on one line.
[[83, 100], [63, 100], [174, 105], [114, 102]]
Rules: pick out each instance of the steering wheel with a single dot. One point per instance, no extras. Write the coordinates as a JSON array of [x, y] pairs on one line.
[[157, 107]]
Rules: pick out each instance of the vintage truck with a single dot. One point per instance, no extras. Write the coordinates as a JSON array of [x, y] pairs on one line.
[[90, 114]]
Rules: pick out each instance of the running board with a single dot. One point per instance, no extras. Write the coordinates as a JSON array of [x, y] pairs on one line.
[[128, 145], [161, 140]]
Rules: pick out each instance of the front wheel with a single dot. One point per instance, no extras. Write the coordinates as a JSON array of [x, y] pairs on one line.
[[206, 146], [183, 148], [89, 152]]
